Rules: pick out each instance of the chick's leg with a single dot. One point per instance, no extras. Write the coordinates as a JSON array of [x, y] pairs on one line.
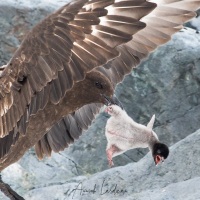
[[110, 151]]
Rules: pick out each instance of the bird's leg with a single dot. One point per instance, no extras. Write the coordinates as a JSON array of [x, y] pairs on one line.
[[110, 151], [109, 156]]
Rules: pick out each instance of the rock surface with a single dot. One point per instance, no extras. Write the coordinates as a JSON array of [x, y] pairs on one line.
[[167, 84], [195, 23], [177, 178]]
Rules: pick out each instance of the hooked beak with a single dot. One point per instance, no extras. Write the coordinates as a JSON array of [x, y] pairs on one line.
[[112, 101], [158, 159]]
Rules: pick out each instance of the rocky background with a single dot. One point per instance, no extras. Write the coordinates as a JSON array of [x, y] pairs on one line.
[[167, 84]]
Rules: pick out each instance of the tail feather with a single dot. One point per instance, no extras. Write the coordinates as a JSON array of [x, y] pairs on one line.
[[151, 122]]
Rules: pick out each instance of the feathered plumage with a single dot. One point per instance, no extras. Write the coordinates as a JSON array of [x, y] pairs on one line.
[[123, 134], [50, 87]]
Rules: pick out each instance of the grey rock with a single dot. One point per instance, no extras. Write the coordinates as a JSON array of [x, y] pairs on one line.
[[167, 84], [177, 178], [195, 23], [3, 197]]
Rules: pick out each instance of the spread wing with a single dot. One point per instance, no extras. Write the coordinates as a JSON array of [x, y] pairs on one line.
[[54, 56], [56, 51], [67, 130], [165, 20], [61, 135]]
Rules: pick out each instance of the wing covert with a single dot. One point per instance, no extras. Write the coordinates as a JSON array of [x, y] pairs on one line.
[[64, 133]]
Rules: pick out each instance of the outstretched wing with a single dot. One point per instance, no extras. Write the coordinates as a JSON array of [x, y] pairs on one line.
[[59, 52], [60, 136], [67, 130], [56, 51], [165, 20]]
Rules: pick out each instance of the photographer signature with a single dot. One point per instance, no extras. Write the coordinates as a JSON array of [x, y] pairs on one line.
[[100, 189]]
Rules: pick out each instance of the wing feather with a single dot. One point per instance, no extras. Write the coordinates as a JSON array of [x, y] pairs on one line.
[[62, 134], [166, 19], [37, 62], [62, 43]]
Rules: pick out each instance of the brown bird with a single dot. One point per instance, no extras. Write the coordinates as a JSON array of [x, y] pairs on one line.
[[52, 87], [123, 134]]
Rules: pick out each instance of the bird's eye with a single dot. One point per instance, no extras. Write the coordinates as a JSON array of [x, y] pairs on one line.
[[98, 85], [159, 151]]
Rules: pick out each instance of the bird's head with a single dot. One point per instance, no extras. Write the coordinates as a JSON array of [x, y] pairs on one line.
[[97, 88], [93, 89], [160, 152]]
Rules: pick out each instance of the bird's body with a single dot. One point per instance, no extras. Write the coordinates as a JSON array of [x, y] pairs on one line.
[[48, 117], [126, 133], [123, 133]]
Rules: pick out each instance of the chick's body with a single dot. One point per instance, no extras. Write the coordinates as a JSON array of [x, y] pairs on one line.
[[123, 133]]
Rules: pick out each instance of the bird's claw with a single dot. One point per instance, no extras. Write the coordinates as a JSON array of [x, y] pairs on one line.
[[110, 162], [109, 157]]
